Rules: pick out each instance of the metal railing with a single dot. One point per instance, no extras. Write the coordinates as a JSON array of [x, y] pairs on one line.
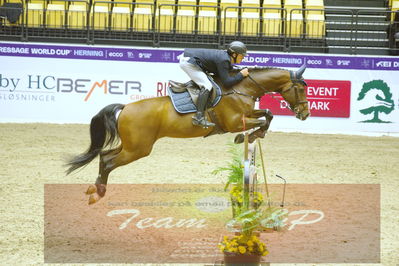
[[384, 38], [122, 21], [188, 25], [261, 27], [61, 19], [306, 29]]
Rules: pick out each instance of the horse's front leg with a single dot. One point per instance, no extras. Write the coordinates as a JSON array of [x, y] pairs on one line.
[[263, 125], [261, 132], [249, 123], [258, 113]]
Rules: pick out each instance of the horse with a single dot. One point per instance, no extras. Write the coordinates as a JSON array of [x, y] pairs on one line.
[[140, 124]]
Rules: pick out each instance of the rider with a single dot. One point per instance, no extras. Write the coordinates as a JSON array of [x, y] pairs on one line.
[[197, 62]]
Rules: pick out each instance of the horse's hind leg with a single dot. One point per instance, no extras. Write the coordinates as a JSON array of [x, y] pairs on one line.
[[102, 178], [109, 162]]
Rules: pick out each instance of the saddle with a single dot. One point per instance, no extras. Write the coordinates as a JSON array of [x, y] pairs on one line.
[[184, 96]]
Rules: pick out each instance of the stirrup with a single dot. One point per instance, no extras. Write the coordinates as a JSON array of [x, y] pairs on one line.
[[202, 122]]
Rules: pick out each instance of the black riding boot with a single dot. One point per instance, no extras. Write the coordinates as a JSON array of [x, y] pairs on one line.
[[199, 118]]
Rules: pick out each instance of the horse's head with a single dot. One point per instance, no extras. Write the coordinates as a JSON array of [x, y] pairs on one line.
[[295, 94]]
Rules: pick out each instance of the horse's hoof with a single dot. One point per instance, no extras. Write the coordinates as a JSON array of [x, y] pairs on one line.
[[91, 190], [92, 199], [239, 139], [101, 189]]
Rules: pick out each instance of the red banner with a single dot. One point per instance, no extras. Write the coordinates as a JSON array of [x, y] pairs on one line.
[[327, 98]]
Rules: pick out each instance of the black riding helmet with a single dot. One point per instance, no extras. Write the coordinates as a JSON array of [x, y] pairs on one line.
[[237, 47]]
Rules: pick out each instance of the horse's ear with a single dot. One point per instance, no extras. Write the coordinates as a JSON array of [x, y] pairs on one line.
[[300, 71]]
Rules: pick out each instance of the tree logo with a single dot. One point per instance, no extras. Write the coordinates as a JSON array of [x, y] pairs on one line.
[[378, 93]]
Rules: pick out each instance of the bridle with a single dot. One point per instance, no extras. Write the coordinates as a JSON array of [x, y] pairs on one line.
[[295, 80]]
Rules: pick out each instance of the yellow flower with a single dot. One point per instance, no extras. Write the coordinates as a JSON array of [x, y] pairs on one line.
[[250, 243], [265, 253], [259, 196], [250, 249], [261, 248], [242, 249]]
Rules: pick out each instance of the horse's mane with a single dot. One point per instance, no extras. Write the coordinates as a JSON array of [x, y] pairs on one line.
[[264, 68]]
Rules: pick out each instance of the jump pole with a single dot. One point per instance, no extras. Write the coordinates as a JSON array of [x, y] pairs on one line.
[[264, 173]]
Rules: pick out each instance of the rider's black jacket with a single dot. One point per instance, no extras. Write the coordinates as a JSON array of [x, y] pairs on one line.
[[214, 61]]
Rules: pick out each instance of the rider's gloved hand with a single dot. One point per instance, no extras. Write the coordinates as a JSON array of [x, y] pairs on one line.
[[244, 72]]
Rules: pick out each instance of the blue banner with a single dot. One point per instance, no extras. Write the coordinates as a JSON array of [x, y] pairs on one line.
[[170, 56]]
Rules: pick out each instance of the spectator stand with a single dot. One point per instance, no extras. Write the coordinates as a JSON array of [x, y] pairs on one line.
[[306, 30], [123, 21], [12, 21], [57, 20], [258, 27], [188, 24], [273, 25]]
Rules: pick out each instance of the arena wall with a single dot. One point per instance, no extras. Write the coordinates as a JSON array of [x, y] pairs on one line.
[[70, 84]]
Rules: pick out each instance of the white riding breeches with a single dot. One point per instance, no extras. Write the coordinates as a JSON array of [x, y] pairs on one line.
[[195, 73]]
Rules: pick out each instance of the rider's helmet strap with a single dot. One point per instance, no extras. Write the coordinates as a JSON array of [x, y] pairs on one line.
[[234, 55]]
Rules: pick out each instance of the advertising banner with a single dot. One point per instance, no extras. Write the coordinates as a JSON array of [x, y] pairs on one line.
[[327, 98], [70, 84]]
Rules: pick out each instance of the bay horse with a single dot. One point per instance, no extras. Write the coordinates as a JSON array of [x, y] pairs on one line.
[[140, 124]]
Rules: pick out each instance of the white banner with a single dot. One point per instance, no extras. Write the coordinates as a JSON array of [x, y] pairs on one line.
[[62, 90], [72, 91], [374, 104]]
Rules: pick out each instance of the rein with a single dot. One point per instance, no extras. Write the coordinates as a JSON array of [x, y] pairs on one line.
[[247, 95], [265, 90], [233, 91], [260, 86]]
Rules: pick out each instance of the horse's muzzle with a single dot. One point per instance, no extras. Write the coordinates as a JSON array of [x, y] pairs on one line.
[[302, 116]]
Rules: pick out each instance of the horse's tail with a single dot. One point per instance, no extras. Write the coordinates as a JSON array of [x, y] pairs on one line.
[[103, 132]]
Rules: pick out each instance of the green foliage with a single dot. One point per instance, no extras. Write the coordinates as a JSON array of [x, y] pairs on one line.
[[246, 220], [235, 168]]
